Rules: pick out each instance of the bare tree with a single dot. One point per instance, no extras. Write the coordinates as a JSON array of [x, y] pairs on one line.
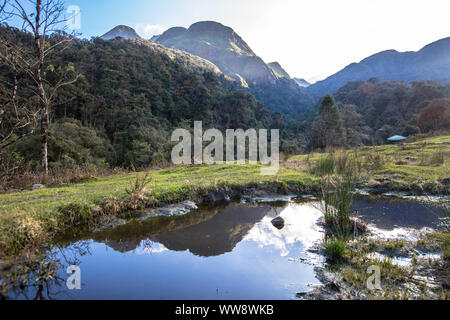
[[17, 120], [2, 10], [43, 19]]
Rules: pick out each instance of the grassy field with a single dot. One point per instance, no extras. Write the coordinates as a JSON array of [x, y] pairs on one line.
[[30, 215], [422, 161]]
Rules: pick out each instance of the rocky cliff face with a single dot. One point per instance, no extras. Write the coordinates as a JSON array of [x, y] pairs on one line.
[[222, 46], [302, 82], [279, 71]]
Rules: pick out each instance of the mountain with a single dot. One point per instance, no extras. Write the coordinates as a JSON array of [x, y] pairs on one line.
[[302, 82], [155, 37], [430, 63], [279, 71], [223, 47], [233, 56], [121, 31]]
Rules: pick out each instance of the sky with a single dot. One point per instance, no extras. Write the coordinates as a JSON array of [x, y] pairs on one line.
[[311, 39]]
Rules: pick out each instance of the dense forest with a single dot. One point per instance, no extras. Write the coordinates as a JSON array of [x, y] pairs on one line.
[[372, 111], [130, 95]]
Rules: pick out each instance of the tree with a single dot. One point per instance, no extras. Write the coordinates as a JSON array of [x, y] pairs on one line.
[[44, 21], [356, 130], [17, 118], [434, 115], [327, 128]]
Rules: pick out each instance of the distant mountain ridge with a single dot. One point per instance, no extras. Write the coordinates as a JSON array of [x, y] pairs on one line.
[[121, 31], [430, 63]]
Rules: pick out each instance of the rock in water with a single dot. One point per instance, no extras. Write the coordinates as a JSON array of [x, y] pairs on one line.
[[278, 223]]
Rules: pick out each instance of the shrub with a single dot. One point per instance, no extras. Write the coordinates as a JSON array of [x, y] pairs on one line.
[[436, 159], [137, 198], [24, 229], [374, 161], [335, 248], [73, 214]]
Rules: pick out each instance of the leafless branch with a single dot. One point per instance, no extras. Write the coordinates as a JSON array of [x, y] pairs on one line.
[[44, 19]]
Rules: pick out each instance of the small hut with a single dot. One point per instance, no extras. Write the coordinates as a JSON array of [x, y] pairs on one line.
[[395, 139]]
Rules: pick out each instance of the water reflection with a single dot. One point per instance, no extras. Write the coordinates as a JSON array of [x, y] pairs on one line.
[[204, 233], [230, 251], [300, 227], [218, 235], [389, 214]]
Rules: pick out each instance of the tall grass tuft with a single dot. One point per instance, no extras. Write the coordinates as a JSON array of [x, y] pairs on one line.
[[335, 247], [337, 205], [436, 159], [324, 166], [374, 161], [339, 171], [137, 198], [338, 162]]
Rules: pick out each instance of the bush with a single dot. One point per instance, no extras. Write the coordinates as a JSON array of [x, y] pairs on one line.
[[436, 159], [73, 214], [22, 232], [335, 248], [374, 161]]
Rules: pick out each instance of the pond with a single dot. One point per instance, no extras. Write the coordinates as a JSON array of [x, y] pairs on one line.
[[224, 251]]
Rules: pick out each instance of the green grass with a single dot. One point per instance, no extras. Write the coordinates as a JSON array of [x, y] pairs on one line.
[[166, 185], [423, 161], [26, 215]]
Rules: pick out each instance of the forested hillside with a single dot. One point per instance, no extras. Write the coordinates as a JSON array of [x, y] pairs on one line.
[[234, 57], [128, 99], [374, 110], [131, 94]]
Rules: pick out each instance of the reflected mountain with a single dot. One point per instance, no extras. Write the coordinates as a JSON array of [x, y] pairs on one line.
[[210, 231], [218, 235]]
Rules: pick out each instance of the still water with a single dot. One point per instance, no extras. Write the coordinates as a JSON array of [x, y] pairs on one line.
[[229, 251]]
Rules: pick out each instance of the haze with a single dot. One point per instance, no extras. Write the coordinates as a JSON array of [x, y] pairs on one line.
[[310, 39]]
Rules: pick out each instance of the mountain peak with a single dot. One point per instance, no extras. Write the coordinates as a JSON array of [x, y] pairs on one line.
[[278, 69], [121, 31], [302, 82], [223, 46]]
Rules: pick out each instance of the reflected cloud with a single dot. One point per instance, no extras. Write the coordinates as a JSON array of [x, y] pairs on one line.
[[149, 247], [301, 227]]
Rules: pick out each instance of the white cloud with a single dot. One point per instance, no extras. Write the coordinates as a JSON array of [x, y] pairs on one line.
[[301, 227], [147, 247], [146, 31]]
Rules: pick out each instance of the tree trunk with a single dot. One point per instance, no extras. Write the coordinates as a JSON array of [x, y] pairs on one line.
[[40, 83], [44, 132]]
